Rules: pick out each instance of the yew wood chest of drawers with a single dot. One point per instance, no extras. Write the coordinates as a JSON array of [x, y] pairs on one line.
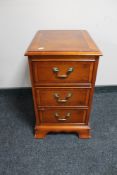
[[63, 66]]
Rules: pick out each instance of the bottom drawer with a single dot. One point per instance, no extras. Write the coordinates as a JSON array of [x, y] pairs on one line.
[[59, 115]]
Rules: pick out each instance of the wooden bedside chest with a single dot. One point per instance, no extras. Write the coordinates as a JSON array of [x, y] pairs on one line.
[[63, 66]]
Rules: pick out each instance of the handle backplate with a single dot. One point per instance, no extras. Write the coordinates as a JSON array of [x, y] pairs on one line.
[[64, 118], [56, 95], [56, 71]]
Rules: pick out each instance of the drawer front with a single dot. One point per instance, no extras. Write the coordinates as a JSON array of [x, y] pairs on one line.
[[55, 115], [62, 96], [53, 72]]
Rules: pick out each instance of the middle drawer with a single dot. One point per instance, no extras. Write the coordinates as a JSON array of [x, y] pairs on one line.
[[62, 96]]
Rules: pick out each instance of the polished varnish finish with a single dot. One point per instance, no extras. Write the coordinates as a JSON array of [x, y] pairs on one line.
[[59, 115], [63, 66], [81, 71], [65, 96]]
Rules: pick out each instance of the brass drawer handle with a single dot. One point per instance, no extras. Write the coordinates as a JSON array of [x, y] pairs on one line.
[[62, 100], [56, 71], [67, 116]]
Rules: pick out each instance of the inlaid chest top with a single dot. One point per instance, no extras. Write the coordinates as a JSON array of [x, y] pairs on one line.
[[62, 42]]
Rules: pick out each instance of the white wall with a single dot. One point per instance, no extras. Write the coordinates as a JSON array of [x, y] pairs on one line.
[[20, 19]]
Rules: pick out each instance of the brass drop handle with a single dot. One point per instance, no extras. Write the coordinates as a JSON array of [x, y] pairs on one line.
[[62, 100], [64, 118], [56, 71]]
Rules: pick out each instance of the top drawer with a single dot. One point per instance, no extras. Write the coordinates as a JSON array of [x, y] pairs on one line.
[[58, 72]]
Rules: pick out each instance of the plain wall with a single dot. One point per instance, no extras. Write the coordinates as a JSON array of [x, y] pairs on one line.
[[20, 19]]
